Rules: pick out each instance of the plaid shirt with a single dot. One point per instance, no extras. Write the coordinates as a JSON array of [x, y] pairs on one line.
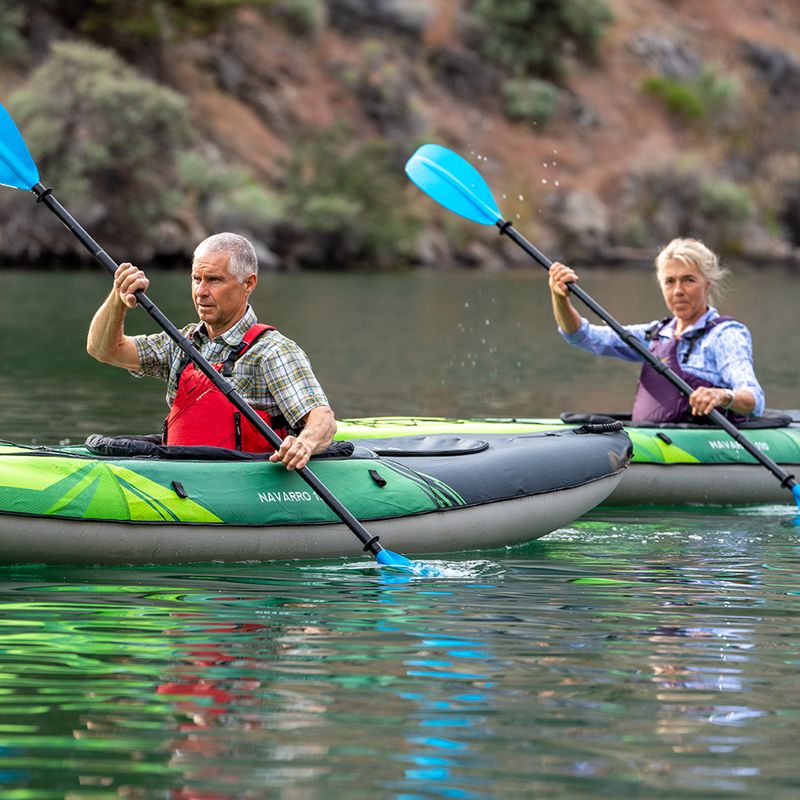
[[723, 356], [274, 374]]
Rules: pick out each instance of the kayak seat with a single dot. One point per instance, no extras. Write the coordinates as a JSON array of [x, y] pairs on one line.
[[432, 445], [771, 418]]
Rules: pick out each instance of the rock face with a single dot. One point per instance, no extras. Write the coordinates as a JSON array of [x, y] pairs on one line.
[[779, 71], [409, 17], [686, 123]]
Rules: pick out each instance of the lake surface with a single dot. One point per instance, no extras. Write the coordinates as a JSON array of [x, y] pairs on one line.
[[634, 654]]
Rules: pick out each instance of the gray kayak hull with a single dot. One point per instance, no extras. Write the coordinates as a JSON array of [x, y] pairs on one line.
[[29, 539]]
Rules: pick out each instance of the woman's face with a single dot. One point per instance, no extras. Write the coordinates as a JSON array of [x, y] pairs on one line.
[[685, 291]]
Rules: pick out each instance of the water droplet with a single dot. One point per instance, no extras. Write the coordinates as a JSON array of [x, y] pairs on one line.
[[544, 180], [486, 322], [521, 197], [557, 183]]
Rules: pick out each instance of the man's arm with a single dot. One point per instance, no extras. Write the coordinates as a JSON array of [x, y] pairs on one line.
[[317, 434], [106, 340]]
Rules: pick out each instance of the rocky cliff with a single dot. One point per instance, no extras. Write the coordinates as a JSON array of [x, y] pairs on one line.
[[684, 120]]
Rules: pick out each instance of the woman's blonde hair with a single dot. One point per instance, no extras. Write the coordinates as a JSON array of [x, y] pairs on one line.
[[693, 252]]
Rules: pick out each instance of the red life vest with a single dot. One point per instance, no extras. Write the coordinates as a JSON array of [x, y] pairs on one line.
[[202, 415]]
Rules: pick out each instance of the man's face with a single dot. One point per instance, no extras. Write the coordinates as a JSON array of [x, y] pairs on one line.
[[219, 298]]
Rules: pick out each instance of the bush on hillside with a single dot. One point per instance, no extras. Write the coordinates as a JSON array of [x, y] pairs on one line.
[[535, 37], [226, 197], [531, 100], [119, 151], [107, 139], [346, 206], [708, 98], [12, 42], [142, 21], [301, 17], [684, 202]]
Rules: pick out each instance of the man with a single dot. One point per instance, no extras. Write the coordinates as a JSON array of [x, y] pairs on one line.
[[270, 371]]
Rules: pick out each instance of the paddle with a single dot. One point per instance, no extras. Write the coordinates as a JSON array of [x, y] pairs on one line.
[[454, 183], [18, 171]]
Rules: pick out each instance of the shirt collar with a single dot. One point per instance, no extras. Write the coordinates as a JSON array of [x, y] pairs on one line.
[[234, 335], [669, 329]]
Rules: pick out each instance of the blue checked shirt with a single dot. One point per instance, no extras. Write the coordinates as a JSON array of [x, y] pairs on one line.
[[274, 374], [723, 356]]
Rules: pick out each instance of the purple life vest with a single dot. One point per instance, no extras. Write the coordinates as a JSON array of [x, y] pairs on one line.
[[657, 400]]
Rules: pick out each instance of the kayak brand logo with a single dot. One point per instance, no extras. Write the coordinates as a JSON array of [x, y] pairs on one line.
[[728, 444], [287, 497]]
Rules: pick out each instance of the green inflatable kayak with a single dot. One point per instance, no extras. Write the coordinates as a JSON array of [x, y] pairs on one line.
[[131, 501], [671, 465]]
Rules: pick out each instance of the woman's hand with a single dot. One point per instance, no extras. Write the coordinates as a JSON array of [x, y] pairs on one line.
[[705, 399], [560, 276]]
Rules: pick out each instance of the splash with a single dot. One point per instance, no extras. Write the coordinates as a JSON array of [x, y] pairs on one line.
[[434, 568]]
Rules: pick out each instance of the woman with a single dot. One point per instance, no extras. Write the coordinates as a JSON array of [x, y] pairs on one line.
[[712, 353]]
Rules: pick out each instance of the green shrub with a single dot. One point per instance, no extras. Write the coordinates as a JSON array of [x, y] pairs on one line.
[[132, 24], [12, 19], [680, 98], [530, 99], [226, 196], [106, 138], [707, 96], [534, 37], [302, 17], [719, 93], [683, 201], [350, 202], [726, 203]]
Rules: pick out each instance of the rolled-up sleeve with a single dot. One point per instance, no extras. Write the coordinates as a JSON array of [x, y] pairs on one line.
[[734, 355], [155, 355], [292, 382]]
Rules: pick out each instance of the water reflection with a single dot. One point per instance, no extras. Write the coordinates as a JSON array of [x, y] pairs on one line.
[[622, 653]]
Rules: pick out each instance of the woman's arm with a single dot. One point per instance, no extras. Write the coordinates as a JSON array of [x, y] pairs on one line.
[[566, 316]]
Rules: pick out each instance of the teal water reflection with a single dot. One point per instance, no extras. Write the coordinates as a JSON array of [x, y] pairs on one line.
[[636, 654], [624, 656]]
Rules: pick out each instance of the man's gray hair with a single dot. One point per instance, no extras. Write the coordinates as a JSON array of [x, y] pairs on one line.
[[242, 255]]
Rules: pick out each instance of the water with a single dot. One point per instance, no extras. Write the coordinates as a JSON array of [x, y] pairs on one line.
[[636, 654]]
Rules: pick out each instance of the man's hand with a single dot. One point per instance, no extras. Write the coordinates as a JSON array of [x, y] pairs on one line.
[[293, 453], [127, 280], [319, 426]]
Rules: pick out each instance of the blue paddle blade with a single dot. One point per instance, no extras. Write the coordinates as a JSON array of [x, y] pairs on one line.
[[17, 168], [453, 183], [386, 558], [796, 493]]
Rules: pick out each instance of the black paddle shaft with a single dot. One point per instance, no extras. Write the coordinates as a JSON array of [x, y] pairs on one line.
[[44, 195], [715, 416]]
